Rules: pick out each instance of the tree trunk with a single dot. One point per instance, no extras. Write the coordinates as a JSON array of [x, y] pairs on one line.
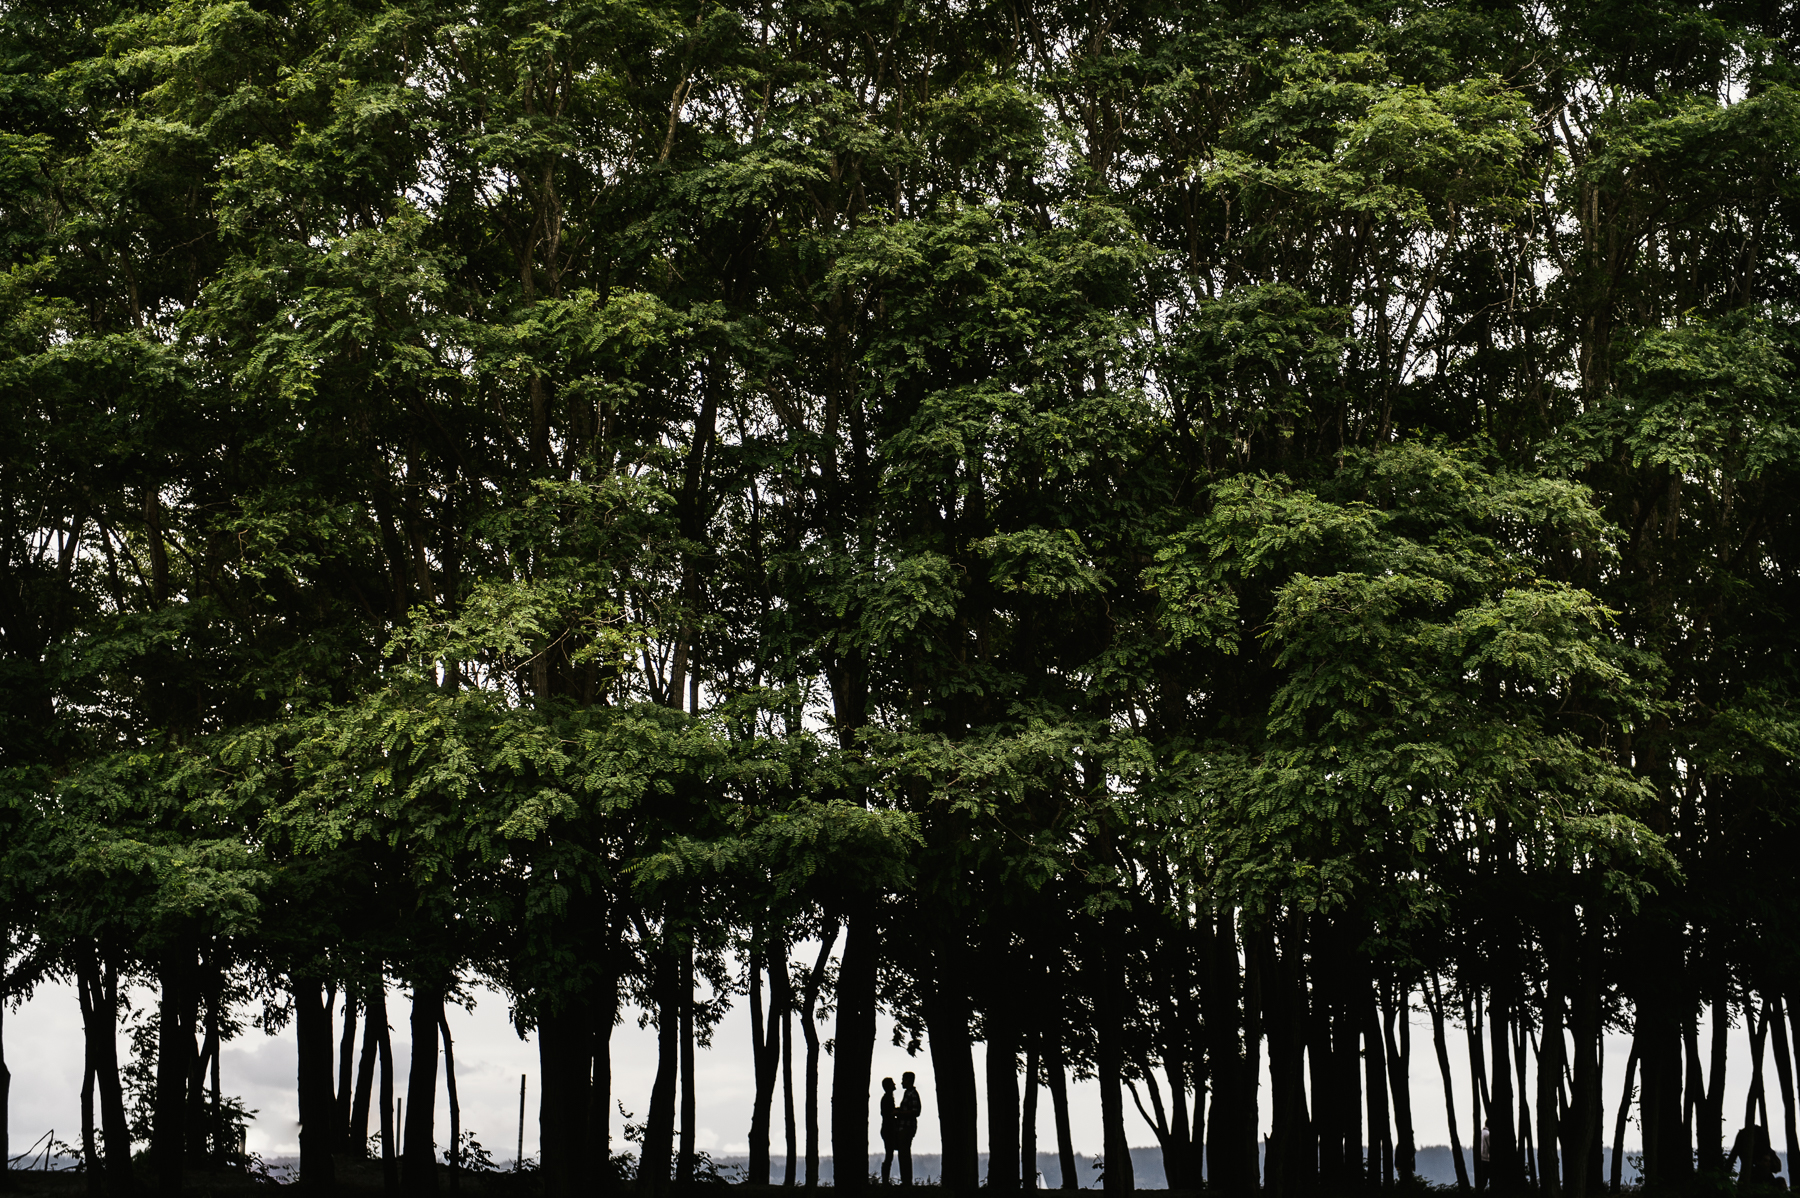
[[1399, 1074], [100, 1006], [1710, 1135], [1059, 1112], [1434, 1000], [174, 1057], [787, 1079], [599, 1110], [684, 1161], [1618, 1144], [390, 1165], [346, 1079], [947, 1019], [374, 1008], [1110, 1058], [90, 1148], [1504, 1166], [1291, 1162], [1584, 1090], [659, 1124], [418, 1164], [765, 1057], [1784, 1075], [854, 1055], [810, 1028], [312, 1040], [1028, 1139], [5, 1073], [1218, 946], [1375, 1082], [455, 1104], [1002, 1061], [1549, 1080]]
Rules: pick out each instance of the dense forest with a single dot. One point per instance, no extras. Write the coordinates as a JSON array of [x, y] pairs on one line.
[[1157, 537]]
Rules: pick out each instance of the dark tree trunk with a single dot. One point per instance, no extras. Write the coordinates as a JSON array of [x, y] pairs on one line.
[[1059, 1112], [1224, 1057], [1028, 1138], [1667, 1160], [684, 1161], [1381, 1137], [787, 1080], [374, 1008], [418, 1165], [854, 1055], [1583, 1137], [1435, 1001], [765, 1058], [1550, 1076], [947, 1019], [346, 1079], [200, 1145], [1399, 1058], [312, 1040], [174, 1058], [1002, 1061], [1710, 1135], [1504, 1169], [1618, 1144], [99, 993], [1327, 1107], [1110, 1057], [5, 1073], [659, 1123], [810, 1028], [1291, 1164], [90, 1147], [599, 1107], [455, 1103], [1784, 1075], [390, 1165]]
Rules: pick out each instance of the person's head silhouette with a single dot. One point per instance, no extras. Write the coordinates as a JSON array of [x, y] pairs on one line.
[[906, 1079], [887, 1083]]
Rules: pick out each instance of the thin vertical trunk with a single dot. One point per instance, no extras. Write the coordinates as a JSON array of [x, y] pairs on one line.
[[1549, 1084], [600, 1100], [1381, 1137], [659, 1124], [1028, 1138], [418, 1163], [373, 1008], [1583, 1170], [1059, 1112], [1618, 1144], [390, 1165], [787, 1084], [1225, 1060], [1784, 1075], [5, 1073], [1110, 1060], [1002, 1061], [1504, 1169], [1434, 1000], [1521, 1061], [1754, 1102], [1710, 1135], [312, 1042], [854, 1053], [684, 1160], [765, 1052], [455, 1103], [346, 1079], [809, 1027], [90, 1148], [947, 1019], [1291, 1161], [174, 1057]]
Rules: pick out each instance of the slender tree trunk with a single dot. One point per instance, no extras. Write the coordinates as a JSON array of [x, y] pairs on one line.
[[1292, 1160], [684, 1161], [346, 1079], [1002, 1061], [455, 1103], [100, 1020], [1059, 1112], [90, 1148], [1584, 1091], [384, 1043], [787, 1082], [1710, 1135], [854, 1055], [1028, 1132], [174, 1056], [765, 1051], [312, 1041], [373, 1008], [1381, 1137], [1110, 1058], [5, 1073], [1225, 1061], [1549, 1080], [659, 1125], [418, 1164], [1618, 1144], [1504, 1167], [1435, 1002], [1399, 1072], [947, 1019], [1754, 1101], [810, 1028], [1784, 1075]]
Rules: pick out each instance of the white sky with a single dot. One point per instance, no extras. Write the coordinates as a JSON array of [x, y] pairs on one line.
[[43, 1049]]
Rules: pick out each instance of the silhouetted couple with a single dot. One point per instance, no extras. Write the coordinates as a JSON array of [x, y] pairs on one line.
[[899, 1123]]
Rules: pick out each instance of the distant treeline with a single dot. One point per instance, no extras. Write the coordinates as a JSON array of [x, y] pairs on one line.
[[1157, 537]]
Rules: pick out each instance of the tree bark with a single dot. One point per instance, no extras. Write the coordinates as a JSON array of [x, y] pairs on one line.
[[174, 1057], [659, 1124], [684, 1161], [1784, 1075], [1618, 1144], [947, 1019], [1435, 1001], [1504, 1166], [98, 989], [455, 1103], [418, 1164], [1381, 1136], [1399, 1074], [346, 1078], [765, 1059], [1028, 1138], [390, 1169], [1549, 1080], [374, 1008], [1110, 1058], [854, 1055], [1059, 1111], [810, 1028], [1002, 1068], [312, 1041]]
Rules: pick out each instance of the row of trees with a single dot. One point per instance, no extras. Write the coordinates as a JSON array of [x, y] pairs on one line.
[[1154, 536]]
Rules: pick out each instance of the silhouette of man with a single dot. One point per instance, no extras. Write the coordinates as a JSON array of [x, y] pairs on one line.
[[905, 1125]]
